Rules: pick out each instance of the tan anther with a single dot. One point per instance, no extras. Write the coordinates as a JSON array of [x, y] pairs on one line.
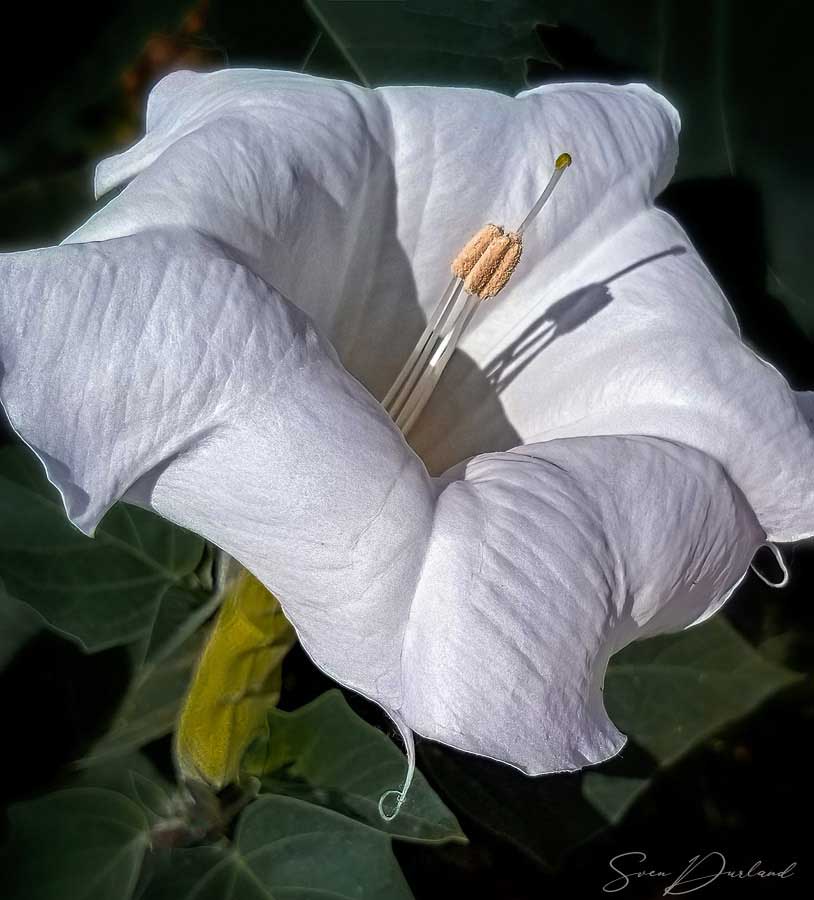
[[474, 249], [488, 260]]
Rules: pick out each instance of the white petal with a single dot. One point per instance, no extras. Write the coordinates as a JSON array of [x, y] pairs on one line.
[[635, 339], [354, 202], [293, 173], [484, 617], [546, 560], [363, 198], [158, 366], [161, 366]]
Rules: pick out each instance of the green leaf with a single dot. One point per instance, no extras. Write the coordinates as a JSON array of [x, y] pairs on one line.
[[83, 843], [153, 797], [612, 795], [150, 708], [136, 777], [543, 817], [733, 70], [163, 662], [668, 694], [671, 693], [133, 775], [176, 874], [18, 623], [325, 753], [254, 33], [285, 848], [101, 592], [180, 615], [470, 42]]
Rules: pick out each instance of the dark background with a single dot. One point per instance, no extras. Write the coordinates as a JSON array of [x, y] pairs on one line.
[[75, 77]]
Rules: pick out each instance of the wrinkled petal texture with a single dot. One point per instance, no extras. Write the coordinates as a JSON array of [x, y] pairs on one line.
[[353, 203], [158, 366], [479, 609], [543, 562]]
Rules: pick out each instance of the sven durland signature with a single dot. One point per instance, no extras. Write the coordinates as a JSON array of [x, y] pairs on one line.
[[700, 871]]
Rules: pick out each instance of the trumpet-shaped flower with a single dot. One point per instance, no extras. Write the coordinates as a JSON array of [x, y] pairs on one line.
[[599, 462]]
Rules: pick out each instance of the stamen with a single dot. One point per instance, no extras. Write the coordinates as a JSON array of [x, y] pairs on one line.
[[407, 377], [474, 249], [438, 362], [480, 271], [487, 273]]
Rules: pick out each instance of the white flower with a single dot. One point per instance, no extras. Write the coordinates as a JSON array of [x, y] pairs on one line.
[[177, 351]]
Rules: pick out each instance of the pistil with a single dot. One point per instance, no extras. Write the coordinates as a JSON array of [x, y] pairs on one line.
[[480, 271]]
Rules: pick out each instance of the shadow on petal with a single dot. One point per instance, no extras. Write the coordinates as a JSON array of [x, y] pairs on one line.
[[562, 317], [465, 416]]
